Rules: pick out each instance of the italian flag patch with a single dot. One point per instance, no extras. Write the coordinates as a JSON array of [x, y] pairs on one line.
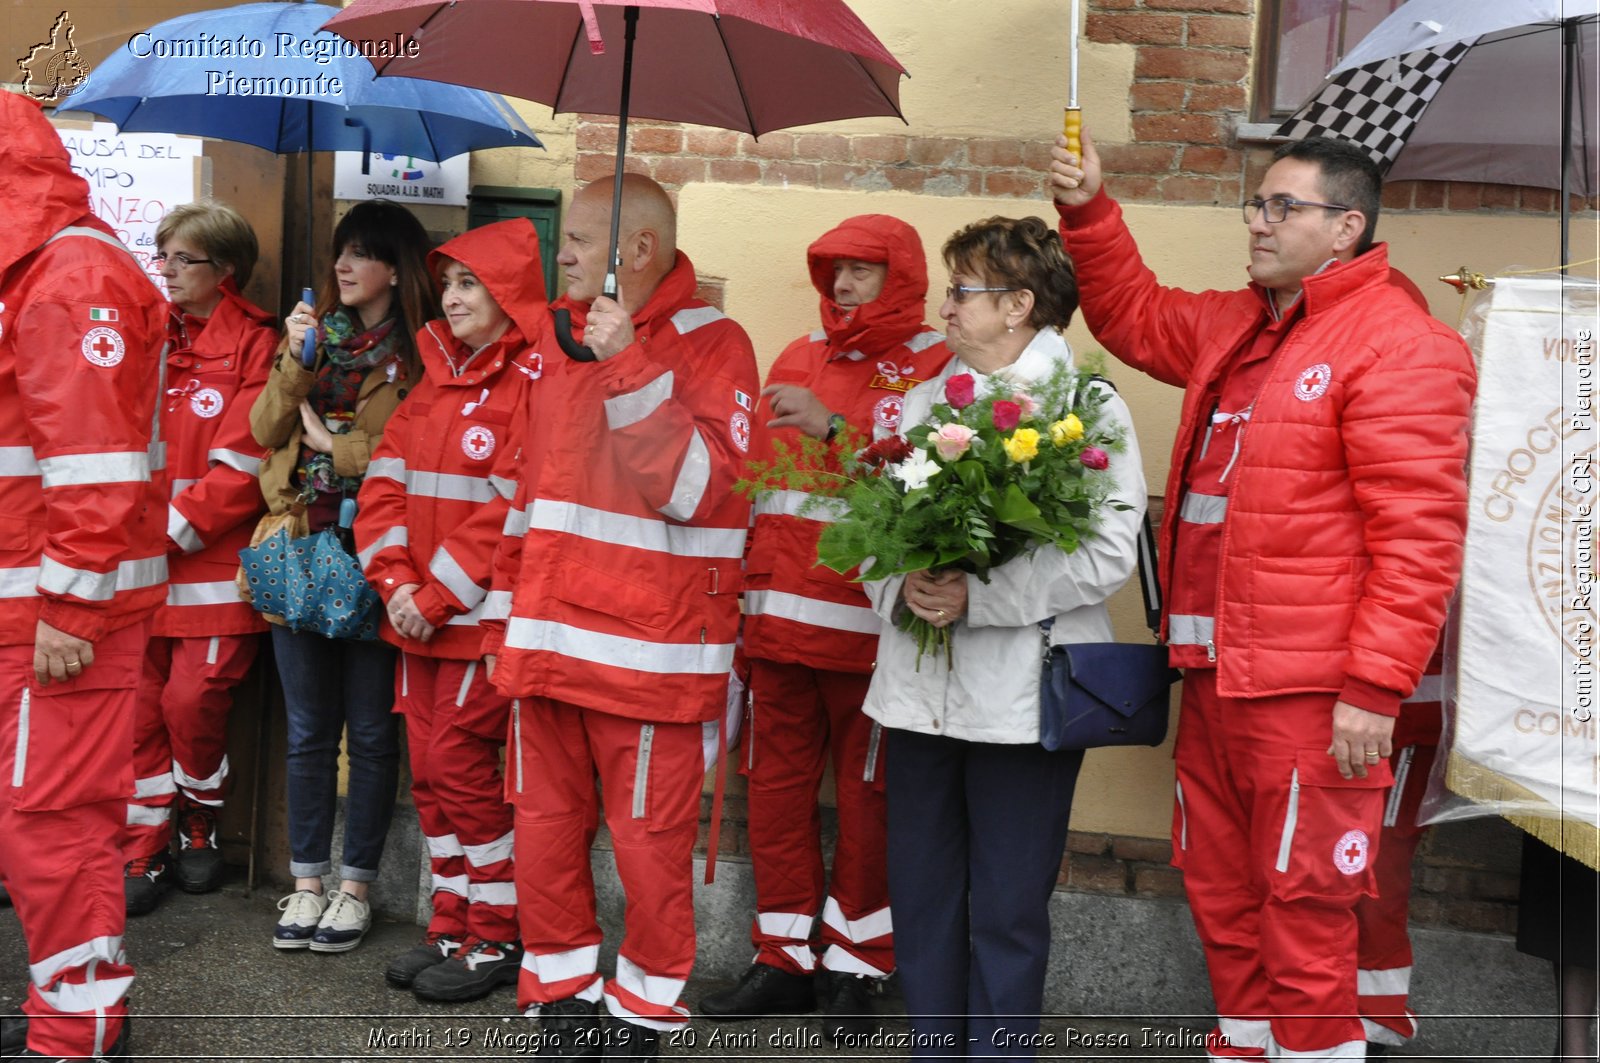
[[102, 313]]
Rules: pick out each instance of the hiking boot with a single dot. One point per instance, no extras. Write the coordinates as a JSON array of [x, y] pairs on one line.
[[404, 968], [199, 859], [761, 991], [118, 1049], [569, 1029], [145, 881], [847, 1005], [474, 972], [626, 1040], [302, 911], [343, 925], [13, 1035]]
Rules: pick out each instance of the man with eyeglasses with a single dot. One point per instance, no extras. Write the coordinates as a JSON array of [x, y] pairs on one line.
[[1318, 499]]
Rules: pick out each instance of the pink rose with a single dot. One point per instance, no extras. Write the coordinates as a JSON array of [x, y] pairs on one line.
[[1029, 404], [960, 390], [1094, 458], [952, 440], [1006, 415]]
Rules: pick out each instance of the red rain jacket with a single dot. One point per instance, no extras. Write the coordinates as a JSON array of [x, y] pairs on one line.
[[622, 562], [859, 364], [82, 514], [434, 501]]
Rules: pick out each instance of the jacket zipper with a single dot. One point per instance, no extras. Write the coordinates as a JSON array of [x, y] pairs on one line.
[[516, 732], [1289, 820], [19, 765], [641, 771]]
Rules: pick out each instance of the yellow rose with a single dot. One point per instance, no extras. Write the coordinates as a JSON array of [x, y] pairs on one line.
[[1023, 445], [1066, 430]]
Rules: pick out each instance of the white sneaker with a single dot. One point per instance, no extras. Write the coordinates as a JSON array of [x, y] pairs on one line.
[[343, 925], [302, 911]]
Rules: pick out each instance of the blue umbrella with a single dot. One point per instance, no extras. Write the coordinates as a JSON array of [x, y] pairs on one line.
[[265, 74]]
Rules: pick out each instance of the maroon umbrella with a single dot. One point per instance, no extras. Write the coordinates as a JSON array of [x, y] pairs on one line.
[[749, 65]]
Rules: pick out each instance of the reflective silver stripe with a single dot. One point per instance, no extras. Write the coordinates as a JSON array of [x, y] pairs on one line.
[[505, 488], [449, 572], [466, 683], [1286, 842], [869, 927], [1353, 1050], [112, 467], [838, 959], [19, 761], [552, 967], [516, 525], [790, 504], [817, 336], [516, 737], [830, 615], [870, 772], [497, 605], [619, 651], [211, 654], [686, 321], [399, 535], [456, 884], [1394, 982], [502, 848], [1183, 821], [235, 460], [211, 782], [643, 533], [387, 469], [796, 926], [641, 770], [93, 234], [144, 816], [1184, 630], [19, 582], [56, 578], [923, 340], [444, 846], [471, 616], [18, 461], [1203, 509], [503, 894], [154, 785], [693, 477], [1429, 688], [1402, 768], [222, 592], [180, 531], [405, 674], [180, 486], [95, 994], [158, 451], [448, 485], [624, 410]]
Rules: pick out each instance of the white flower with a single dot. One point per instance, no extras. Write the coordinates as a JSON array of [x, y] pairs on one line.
[[915, 471]]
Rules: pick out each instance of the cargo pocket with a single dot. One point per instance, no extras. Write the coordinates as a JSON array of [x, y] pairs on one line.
[[1328, 844], [75, 739]]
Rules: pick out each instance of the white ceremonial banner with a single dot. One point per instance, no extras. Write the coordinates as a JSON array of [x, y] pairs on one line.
[[1525, 714], [402, 178]]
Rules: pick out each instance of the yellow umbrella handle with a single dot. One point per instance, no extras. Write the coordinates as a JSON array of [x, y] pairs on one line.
[[1072, 125]]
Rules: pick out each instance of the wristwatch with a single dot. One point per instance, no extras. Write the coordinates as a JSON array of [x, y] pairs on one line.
[[836, 423]]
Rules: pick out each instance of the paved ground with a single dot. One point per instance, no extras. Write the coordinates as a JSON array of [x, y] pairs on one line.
[[211, 987]]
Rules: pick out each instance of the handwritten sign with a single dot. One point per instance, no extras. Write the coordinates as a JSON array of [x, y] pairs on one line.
[[134, 179], [402, 178]]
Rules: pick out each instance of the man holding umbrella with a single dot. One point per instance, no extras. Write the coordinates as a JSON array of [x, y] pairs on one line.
[[616, 593]]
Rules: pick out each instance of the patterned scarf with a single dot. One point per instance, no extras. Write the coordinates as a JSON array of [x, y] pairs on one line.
[[349, 354]]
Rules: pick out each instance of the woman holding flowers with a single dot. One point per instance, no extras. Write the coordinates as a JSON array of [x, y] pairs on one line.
[[978, 809]]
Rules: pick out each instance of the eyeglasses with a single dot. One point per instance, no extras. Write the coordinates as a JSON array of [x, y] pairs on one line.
[[1277, 207], [957, 293], [160, 259]]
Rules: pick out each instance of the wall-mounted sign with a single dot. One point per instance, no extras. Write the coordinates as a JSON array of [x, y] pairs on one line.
[[402, 178]]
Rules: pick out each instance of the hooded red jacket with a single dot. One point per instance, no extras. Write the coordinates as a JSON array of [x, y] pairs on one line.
[[213, 464], [434, 500], [621, 567], [82, 521], [859, 364]]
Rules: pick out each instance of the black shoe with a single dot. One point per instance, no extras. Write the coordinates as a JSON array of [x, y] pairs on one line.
[[1374, 1049], [13, 1034], [761, 991], [569, 1029], [626, 1040], [474, 972], [5, 897], [117, 1050], [145, 881], [847, 1003], [199, 859], [404, 968]]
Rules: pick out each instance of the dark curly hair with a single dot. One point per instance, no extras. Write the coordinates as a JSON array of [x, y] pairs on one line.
[[1019, 253]]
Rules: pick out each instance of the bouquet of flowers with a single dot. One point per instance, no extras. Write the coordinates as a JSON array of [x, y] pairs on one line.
[[987, 479]]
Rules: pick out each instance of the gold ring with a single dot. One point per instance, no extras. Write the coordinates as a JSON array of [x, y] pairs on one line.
[[71, 665], [1374, 756], [941, 614]]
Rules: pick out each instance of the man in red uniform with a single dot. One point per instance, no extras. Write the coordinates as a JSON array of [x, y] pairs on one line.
[[811, 638], [1319, 503], [83, 567], [620, 575]]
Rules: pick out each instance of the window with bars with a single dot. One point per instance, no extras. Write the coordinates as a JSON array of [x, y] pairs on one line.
[[1301, 40]]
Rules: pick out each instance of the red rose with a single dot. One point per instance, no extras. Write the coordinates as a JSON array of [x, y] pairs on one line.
[[960, 390], [1006, 415], [1094, 458], [890, 450]]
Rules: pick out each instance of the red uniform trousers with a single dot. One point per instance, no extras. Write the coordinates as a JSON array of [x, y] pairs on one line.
[[799, 715], [1276, 849], [180, 731], [651, 775], [67, 749], [455, 726], [1383, 977]]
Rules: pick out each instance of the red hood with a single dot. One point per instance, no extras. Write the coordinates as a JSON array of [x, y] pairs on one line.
[[43, 195], [505, 257], [897, 313]]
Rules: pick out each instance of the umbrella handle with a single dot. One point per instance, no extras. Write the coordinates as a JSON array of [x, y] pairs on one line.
[[573, 349], [1071, 127]]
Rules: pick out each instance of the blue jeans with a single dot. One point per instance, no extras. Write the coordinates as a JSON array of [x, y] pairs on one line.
[[333, 687]]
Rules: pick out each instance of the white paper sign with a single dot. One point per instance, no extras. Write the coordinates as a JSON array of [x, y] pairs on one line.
[[402, 178], [134, 179]]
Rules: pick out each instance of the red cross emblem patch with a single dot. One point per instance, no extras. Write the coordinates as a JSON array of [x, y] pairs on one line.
[[207, 402], [477, 443], [103, 346], [886, 414], [1350, 855], [739, 429], [1313, 382]]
